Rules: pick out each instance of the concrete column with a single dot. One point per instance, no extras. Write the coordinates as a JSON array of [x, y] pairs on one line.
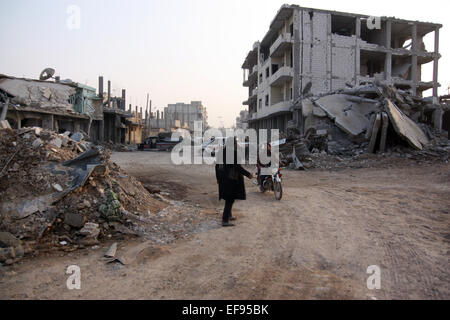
[[358, 51], [414, 59], [296, 56], [109, 94], [124, 99], [437, 119], [47, 122], [76, 125], [100, 87], [101, 133], [436, 65], [388, 61]]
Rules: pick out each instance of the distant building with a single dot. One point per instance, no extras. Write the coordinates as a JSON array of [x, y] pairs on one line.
[[242, 120], [182, 115]]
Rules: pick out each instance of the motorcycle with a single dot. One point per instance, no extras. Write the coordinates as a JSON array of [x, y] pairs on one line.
[[273, 182]]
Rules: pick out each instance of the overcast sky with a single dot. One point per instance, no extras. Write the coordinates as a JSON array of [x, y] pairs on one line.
[[176, 50]]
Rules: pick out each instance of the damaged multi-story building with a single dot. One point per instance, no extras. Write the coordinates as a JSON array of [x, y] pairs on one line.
[[65, 105], [312, 51]]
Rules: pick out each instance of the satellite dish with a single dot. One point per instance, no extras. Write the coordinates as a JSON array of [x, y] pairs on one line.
[[47, 74]]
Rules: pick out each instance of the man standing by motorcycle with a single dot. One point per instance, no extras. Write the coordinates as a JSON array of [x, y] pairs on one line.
[[259, 165], [230, 178]]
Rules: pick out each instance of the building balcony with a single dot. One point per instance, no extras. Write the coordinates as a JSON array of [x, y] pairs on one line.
[[283, 75], [252, 77], [275, 109], [283, 42]]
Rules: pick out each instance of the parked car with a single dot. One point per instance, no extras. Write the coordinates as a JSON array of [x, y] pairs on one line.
[[160, 142]]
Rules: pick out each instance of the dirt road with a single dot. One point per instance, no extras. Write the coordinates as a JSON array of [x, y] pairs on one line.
[[316, 243]]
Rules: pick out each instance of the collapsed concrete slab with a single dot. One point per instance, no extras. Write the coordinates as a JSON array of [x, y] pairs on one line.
[[405, 127], [349, 116]]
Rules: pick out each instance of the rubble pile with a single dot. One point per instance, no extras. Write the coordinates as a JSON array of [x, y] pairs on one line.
[[59, 191], [371, 118]]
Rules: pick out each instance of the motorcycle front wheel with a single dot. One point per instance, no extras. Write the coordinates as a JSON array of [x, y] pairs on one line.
[[277, 190]]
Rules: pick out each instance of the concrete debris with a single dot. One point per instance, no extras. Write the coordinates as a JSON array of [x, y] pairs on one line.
[[52, 193], [405, 127], [4, 124], [8, 240], [374, 135], [350, 117], [37, 143], [57, 187], [90, 230], [111, 253], [372, 118]]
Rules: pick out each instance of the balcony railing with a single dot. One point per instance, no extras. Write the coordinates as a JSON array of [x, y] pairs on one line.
[[283, 42]]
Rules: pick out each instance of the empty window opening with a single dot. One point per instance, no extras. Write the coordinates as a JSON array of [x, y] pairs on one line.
[[32, 122], [267, 72], [401, 67], [264, 53], [267, 100], [372, 64], [343, 25], [425, 69], [275, 68], [373, 36]]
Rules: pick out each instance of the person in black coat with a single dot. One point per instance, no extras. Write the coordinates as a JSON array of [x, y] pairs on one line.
[[230, 178]]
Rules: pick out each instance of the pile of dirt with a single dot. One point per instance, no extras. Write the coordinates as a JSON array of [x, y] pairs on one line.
[[60, 193]]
